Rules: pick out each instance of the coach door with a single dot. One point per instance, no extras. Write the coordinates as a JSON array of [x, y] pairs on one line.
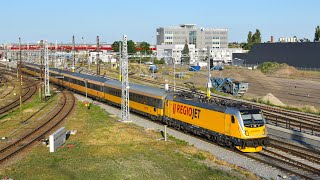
[[228, 122], [167, 108]]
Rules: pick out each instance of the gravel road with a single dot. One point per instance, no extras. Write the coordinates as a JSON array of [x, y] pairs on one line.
[[262, 170]]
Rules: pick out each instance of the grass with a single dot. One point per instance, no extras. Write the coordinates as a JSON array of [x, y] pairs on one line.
[[269, 67], [106, 149], [11, 121]]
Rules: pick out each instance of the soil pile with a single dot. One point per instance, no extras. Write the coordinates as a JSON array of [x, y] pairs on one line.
[[270, 98], [285, 70]]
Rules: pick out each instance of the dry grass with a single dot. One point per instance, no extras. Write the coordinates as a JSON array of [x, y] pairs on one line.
[[106, 149]]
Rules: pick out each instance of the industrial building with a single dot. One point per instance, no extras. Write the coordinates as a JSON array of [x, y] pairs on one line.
[[200, 37], [305, 54]]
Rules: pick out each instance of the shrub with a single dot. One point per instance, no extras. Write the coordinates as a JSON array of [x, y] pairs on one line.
[[269, 67]]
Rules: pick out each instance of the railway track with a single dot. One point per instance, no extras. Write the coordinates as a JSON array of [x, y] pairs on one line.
[[28, 92], [299, 121], [274, 159], [270, 156], [310, 154], [304, 163], [295, 120], [6, 92], [66, 104]]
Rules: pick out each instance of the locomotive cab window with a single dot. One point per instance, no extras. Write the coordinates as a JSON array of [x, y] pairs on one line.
[[252, 117]]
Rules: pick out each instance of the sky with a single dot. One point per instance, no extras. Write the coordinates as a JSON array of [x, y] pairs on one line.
[[58, 20]]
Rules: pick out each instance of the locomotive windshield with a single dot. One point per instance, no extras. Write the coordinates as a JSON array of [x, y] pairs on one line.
[[252, 117]]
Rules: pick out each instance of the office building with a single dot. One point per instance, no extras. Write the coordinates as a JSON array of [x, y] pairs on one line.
[[190, 33]]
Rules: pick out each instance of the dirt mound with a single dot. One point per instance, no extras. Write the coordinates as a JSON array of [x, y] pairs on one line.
[[270, 98], [285, 70]]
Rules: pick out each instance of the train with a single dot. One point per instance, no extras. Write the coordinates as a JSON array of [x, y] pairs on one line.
[[235, 126]]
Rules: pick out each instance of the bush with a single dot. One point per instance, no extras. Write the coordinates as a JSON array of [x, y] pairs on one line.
[[161, 61], [269, 67]]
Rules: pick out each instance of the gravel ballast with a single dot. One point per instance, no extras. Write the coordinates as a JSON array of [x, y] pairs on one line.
[[255, 167]]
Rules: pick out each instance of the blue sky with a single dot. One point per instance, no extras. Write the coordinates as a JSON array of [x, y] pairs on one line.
[[60, 19]]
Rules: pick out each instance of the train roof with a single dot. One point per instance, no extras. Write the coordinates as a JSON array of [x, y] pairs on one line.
[[79, 75], [142, 89], [138, 88]]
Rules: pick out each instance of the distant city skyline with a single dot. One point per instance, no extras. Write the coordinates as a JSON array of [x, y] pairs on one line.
[[33, 20]]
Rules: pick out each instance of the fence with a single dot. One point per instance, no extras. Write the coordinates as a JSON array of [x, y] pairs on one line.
[[308, 68]]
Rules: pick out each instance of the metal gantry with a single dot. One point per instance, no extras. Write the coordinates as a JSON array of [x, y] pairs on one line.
[[73, 55], [125, 113], [46, 70], [98, 56]]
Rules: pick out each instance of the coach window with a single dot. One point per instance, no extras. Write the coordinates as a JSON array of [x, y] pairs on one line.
[[232, 119]]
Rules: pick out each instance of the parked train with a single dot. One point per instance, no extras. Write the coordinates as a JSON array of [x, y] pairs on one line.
[[234, 126]]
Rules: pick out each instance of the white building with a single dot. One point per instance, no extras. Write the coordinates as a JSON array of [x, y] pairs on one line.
[[223, 55], [173, 53], [104, 56], [286, 39], [200, 37]]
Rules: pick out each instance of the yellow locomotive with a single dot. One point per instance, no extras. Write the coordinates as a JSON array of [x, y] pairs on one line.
[[229, 125]]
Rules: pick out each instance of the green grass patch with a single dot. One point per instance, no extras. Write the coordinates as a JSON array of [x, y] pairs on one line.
[[270, 67], [104, 148], [199, 156], [16, 112]]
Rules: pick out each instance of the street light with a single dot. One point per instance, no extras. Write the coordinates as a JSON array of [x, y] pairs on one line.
[[85, 81]]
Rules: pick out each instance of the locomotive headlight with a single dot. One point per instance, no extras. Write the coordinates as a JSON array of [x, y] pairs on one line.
[[246, 132]]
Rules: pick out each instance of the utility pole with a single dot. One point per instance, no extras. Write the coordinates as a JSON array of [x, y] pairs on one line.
[[55, 54], [120, 61], [73, 55], [20, 67], [98, 56], [17, 59], [46, 71], [41, 69], [6, 55], [125, 113], [209, 85]]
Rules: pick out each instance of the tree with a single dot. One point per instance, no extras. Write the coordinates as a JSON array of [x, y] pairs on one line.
[[249, 41], [256, 38], [131, 47], [145, 48], [115, 46], [252, 38], [317, 34], [185, 57], [249, 38]]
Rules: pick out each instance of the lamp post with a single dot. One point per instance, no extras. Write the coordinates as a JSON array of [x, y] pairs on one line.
[[174, 75], [85, 81], [209, 74]]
